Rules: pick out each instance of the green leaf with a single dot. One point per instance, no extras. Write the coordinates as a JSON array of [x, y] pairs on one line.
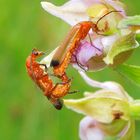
[[123, 44], [129, 21], [130, 71]]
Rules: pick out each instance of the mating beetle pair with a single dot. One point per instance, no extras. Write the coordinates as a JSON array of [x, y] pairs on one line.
[[59, 62]]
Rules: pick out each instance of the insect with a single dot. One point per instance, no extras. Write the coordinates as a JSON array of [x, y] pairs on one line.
[[54, 92], [63, 55]]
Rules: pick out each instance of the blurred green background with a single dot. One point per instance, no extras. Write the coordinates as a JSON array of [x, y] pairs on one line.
[[25, 114]]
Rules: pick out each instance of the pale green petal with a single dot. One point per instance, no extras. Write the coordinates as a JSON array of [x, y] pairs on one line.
[[127, 133], [130, 131], [102, 106], [97, 10], [129, 21], [123, 44], [114, 128]]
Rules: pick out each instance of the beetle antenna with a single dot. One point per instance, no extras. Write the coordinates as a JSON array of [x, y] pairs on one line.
[[115, 11], [106, 15]]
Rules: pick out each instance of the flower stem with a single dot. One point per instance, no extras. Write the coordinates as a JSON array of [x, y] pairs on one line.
[[90, 81], [135, 109]]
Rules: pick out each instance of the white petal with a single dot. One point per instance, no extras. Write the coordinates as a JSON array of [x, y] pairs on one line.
[[71, 12], [116, 5], [46, 60], [91, 2], [138, 32], [108, 41], [89, 130], [113, 86]]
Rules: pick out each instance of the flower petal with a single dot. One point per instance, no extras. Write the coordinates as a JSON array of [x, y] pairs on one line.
[[112, 86], [133, 22], [108, 41], [128, 132], [46, 60], [131, 72], [86, 51], [91, 55], [116, 5], [71, 12], [124, 44], [91, 2], [89, 130], [103, 105]]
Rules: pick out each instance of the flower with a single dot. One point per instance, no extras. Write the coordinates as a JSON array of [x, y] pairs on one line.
[[75, 11], [112, 44], [110, 112]]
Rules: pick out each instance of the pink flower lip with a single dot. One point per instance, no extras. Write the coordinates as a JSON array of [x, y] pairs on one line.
[[89, 130], [87, 50]]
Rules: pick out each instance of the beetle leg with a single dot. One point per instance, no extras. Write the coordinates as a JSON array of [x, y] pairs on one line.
[[46, 68], [62, 83], [72, 92], [79, 64]]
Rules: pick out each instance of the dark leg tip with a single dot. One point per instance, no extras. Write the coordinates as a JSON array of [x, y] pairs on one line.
[[54, 63], [58, 104]]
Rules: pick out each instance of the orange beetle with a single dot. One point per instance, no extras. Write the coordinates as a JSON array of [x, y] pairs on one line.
[[53, 91]]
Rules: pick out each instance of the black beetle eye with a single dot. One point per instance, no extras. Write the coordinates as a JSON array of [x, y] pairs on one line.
[[35, 52]]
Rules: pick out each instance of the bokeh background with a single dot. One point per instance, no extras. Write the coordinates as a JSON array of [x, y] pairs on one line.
[[25, 114]]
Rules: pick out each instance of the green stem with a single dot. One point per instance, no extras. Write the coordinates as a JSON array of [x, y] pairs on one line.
[[135, 109]]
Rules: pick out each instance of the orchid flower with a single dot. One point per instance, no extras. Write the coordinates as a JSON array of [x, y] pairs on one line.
[[110, 112], [113, 45]]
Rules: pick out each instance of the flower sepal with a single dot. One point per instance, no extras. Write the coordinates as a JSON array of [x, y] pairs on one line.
[[121, 49], [131, 22]]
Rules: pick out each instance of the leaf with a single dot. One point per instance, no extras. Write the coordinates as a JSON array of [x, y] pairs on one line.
[[123, 44], [130, 71], [129, 21]]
